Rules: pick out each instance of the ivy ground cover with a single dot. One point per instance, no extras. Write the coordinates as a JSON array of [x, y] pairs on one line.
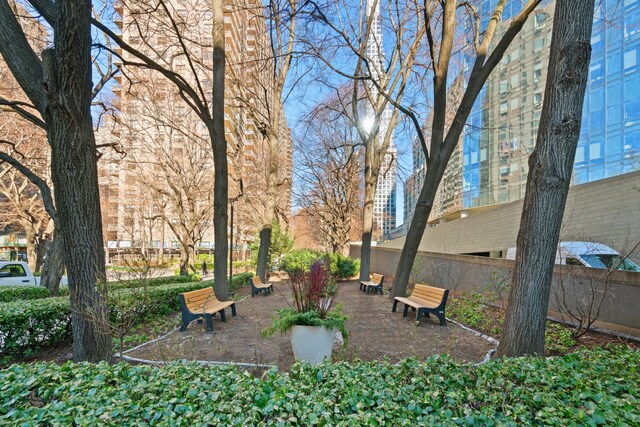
[[590, 387]]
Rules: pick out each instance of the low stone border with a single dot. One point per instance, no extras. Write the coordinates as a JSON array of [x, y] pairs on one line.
[[201, 362], [492, 340], [124, 356]]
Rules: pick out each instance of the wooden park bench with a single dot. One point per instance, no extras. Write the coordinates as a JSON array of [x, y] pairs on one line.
[[425, 299], [375, 283], [203, 303], [257, 286]]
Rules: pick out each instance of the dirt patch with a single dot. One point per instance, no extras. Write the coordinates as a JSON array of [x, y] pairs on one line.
[[375, 334]]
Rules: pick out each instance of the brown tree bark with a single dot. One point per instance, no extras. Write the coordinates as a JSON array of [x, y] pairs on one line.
[[184, 260], [60, 87], [370, 183], [74, 172], [31, 247], [550, 168], [270, 205], [219, 145], [53, 268]]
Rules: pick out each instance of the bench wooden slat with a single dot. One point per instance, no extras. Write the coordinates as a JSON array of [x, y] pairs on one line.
[[257, 286], [375, 283], [258, 283], [425, 299], [203, 302]]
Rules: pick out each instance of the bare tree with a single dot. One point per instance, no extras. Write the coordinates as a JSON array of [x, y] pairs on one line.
[[328, 172], [162, 40], [550, 167], [382, 75], [22, 207], [60, 88], [173, 167], [261, 82], [441, 19]]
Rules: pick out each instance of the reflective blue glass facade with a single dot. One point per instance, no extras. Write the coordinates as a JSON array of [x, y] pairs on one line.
[[502, 127]]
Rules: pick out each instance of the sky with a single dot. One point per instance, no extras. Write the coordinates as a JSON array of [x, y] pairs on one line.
[[314, 79]]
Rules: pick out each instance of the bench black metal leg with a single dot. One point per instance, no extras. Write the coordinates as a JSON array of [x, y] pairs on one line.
[[233, 309], [419, 315], [443, 320], [186, 319], [222, 316], [209, 320], [405, 313], [395, 304]]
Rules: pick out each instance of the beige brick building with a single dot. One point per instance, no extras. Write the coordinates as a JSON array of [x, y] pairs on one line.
[[158, 196]]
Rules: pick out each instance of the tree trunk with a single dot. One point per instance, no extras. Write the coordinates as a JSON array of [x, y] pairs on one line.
[[31, 248], [263, 251], [370, 182], [424, 204], [53, 268], [184, 260], [192, 258], [270, 206], [219, 145], [550, 168], [41, 250], [161, 248], [74, 173]]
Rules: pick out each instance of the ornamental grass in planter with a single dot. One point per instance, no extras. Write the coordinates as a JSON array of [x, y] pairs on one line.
[[311, 321]]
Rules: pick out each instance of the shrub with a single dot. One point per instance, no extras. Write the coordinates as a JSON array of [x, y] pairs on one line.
[[240, 280], [343, 267], [587, 388], [13, 293], [26, 325], [299, 261]]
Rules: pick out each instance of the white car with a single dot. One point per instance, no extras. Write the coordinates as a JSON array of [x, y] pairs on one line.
[[588, 254], [16, 273]]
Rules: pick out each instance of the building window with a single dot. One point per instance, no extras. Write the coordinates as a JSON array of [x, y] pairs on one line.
[[538, 44]]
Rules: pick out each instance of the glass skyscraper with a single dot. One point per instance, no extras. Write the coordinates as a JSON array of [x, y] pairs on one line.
[[502, 128]]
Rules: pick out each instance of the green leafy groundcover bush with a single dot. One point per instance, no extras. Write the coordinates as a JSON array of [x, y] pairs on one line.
[[13, 293], [26, 325], [592, 387]]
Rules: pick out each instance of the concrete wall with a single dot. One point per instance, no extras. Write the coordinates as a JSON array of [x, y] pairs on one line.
[[578, 285], [605, 211]]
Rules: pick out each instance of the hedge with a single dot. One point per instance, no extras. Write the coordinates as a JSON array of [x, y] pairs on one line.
[[240, 280], [137, 283], [26, 325], [591, 387], [13, 293]]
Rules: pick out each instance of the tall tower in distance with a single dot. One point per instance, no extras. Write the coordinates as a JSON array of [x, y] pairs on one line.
[[384, 205]]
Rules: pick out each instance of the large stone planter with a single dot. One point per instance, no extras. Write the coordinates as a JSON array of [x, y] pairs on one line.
[[311, 344]]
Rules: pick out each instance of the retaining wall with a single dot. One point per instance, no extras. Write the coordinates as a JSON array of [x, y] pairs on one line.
[[573, 287]]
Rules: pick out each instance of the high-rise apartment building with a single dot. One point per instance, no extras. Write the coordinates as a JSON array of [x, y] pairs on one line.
[[502, 127], [158, 196], [384, 205]]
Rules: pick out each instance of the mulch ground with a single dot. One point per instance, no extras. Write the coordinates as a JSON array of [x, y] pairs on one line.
[[375, 333]]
